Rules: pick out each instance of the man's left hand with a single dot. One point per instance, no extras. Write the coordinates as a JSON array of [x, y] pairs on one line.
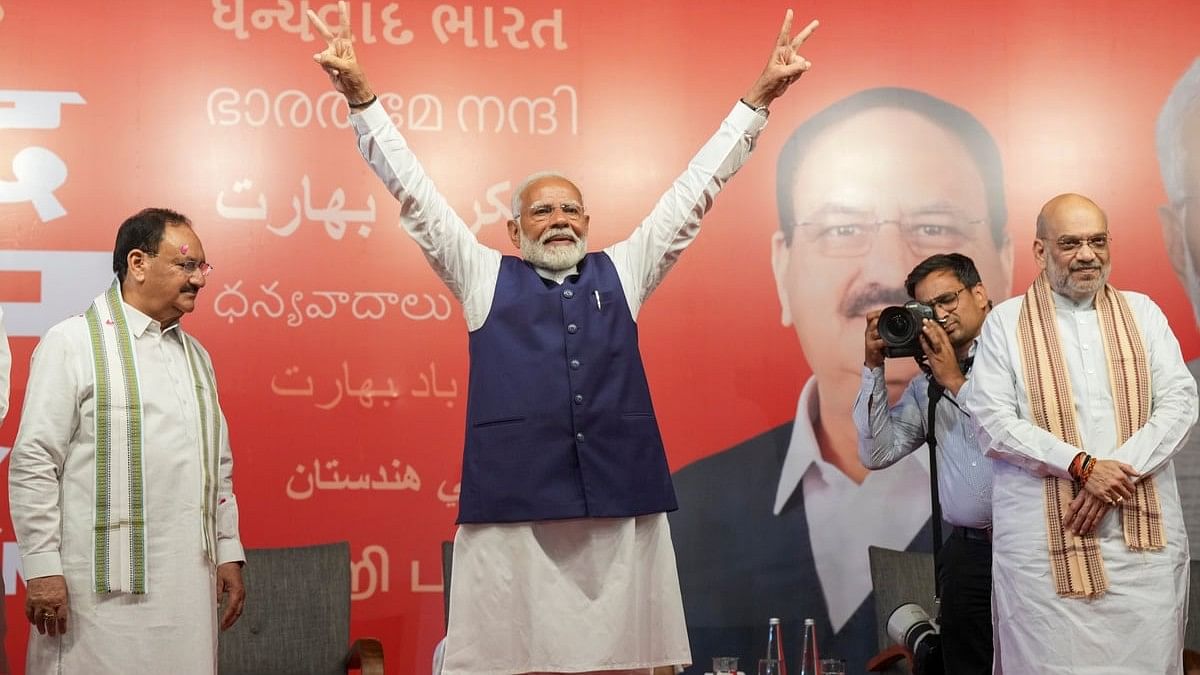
[[784, 67], [1084, 513], [229, 583], [943, 360]]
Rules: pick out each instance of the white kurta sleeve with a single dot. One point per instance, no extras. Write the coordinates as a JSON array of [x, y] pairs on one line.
[[468, 268], [886, 434], [991, 394], [1173, 406], [50, 418], [648, 254], [229, 542], [5, 369]]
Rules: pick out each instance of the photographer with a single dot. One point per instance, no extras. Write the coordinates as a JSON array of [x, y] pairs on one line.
[[950, 286]]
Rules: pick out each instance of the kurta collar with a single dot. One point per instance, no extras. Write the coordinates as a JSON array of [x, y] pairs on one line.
[[1063, 302], [139, 323], [554, 276]]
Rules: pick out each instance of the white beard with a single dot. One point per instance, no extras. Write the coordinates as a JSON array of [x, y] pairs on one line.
[[557, 258], [1062, 282]]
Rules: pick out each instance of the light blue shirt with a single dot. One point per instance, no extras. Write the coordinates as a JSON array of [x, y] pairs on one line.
[[888, 434]]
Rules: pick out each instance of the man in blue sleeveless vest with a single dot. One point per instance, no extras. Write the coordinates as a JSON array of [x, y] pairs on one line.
[[563, 559]]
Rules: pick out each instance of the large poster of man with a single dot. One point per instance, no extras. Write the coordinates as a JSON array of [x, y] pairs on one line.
[[866, 189], [1178, 146]]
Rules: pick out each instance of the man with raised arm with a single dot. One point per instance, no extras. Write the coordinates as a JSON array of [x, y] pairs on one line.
[[563, 560]]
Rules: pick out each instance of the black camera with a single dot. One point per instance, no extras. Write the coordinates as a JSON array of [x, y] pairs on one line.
[[900, 328], [910, 626]]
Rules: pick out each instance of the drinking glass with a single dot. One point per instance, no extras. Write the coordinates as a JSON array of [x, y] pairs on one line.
[[833, 667], [768, 667], [725, 665]]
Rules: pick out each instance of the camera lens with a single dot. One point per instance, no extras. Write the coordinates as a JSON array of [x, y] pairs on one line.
[[910, 626], [899, 324]]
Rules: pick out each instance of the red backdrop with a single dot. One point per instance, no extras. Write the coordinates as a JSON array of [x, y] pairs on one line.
[[216, 109]]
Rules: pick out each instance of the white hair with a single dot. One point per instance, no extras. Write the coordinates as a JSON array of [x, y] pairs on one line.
[[1172, 155], [530, 180]]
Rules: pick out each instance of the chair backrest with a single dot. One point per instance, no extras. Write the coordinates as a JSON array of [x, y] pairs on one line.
[[447, 573], [899, 577], [1191, 638], [297, 616]]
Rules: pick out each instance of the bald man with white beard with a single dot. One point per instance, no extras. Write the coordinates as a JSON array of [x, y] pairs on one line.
[[1080, 393]]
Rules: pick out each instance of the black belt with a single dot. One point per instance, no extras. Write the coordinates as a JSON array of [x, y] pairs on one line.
[[972, 534]]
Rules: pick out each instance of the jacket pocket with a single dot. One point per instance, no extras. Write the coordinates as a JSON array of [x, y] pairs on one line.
[[498, 422]]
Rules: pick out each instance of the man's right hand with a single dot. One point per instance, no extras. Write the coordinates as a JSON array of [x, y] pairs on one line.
[[46, 604], [873, 356], [1085, 512], [1111, 481], [339, 60]]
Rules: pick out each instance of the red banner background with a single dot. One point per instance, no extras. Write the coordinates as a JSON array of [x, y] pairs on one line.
[[206, 106]]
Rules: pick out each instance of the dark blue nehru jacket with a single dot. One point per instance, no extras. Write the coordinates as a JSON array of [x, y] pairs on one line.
[[559, 418]]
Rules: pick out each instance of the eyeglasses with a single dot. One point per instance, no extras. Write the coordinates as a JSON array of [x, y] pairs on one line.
[[188, 267], [1096, 242], [947, 302], [845, 234], [541, 212]]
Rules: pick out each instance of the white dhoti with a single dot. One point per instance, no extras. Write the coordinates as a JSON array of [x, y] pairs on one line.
[[172, 629], [571, 596], [1137, 626]]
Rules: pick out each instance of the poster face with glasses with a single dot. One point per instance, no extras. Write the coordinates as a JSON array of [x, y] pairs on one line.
[[341, 357]]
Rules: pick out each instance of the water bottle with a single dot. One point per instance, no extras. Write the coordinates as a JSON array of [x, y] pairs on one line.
[[810, 660], [775, 644]]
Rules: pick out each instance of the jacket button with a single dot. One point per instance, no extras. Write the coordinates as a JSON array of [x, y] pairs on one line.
[[578, 399], [574, 364], [572, 328], [568, 294], [579, 437]]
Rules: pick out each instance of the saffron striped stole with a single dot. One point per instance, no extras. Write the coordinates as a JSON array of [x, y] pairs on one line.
[[1075, 562]]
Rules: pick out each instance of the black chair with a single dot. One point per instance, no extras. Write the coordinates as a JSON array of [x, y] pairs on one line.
[[297, 617], [897, 577], [447, 569], [1191, 638]]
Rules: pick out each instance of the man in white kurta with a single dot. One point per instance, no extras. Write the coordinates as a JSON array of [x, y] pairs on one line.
[[1136, 624], [170, 624], [571, 595]]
